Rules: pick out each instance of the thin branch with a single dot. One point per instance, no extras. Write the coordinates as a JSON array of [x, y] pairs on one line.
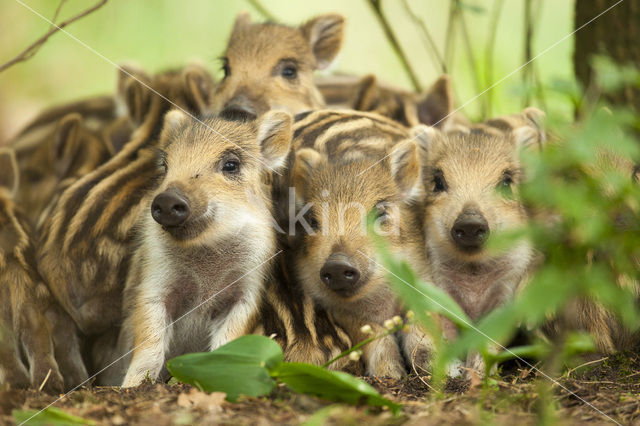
[[376, 7], [57, 13], [432, 48], [262, 10], [35, 46], [472, 61], [491, 44]]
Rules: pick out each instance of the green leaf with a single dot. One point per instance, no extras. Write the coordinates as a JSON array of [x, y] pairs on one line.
[[331, 385], [239, 367], [418, 295], [49, 416]]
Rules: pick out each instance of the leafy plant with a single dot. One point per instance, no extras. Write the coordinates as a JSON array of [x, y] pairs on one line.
[[50, 416], [253, 365]]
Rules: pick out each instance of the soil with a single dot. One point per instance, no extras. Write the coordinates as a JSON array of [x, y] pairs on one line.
[[601, 391]]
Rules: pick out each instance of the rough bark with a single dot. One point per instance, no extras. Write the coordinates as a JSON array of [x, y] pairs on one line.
[[616, 34]]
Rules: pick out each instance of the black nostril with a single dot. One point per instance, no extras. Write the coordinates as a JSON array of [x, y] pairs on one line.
[[170, 208], [339, 274], [470, 231]]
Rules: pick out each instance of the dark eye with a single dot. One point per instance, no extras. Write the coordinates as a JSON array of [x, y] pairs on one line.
[[162, 163], [290, 72], [231, 166], [310, 218], [225, 68], [439, 184]]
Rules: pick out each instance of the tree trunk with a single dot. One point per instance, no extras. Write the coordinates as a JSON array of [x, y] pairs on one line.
[[616, 34]]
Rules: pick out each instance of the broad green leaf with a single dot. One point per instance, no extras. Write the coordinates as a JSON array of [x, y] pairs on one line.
[[51, 416], [239, 367], [331, 385]]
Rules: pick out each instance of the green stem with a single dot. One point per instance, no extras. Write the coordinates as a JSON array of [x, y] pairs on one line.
[[361, 344], [376, 7]]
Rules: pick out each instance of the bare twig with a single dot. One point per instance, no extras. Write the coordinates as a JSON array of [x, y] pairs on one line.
[[376, 7], [44, 382], [57, 12], [262, 10], [35, 46], [491, 44], [568, 373], [431, 44], [472, 60]]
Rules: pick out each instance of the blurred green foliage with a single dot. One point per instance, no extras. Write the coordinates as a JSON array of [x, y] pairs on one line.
[[585, 225]]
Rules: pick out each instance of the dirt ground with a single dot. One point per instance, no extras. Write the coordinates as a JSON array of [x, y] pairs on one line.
[[610, 385]]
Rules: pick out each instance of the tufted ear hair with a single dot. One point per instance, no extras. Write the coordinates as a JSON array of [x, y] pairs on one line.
[[172, 121], [532, 132], [424, 137], [305, 162], [325, 34], [274, 136], [404, 160]]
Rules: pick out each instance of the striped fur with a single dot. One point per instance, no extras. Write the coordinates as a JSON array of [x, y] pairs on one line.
[[433, 107], [332, 148], [61, 142], [86, 237], [32, 326]]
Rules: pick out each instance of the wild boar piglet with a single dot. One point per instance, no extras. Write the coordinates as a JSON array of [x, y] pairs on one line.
[[206, 239], [471, 184], [270, 66], [360, 165]]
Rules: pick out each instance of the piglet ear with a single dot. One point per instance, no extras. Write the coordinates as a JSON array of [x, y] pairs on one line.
[[531, 133], [305, 162], [9, 175], [367, 94], [274, 136], [134, 93], [526, 128], [199, 86], [405, 163], [243, 20], [436, 104], [325, 34], [424, 137], [172, 121], [66, 144]]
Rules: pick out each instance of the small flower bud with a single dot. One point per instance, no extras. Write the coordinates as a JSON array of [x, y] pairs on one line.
[[355, 355], [366, 329], [389, 325], [397, 320], [410, 315]]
